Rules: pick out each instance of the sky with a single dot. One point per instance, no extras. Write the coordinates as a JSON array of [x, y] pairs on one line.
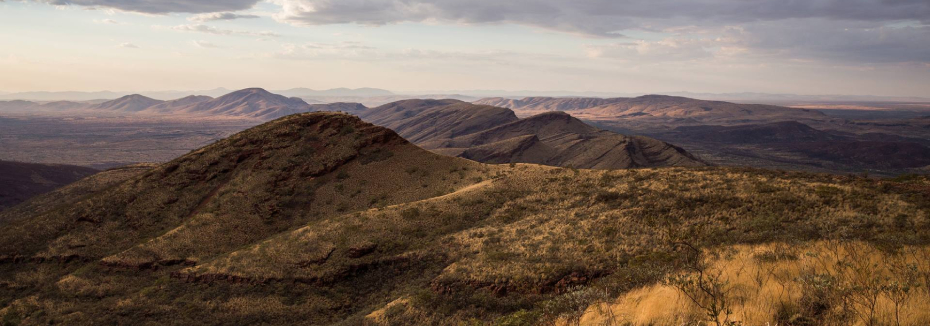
[[855, 47]]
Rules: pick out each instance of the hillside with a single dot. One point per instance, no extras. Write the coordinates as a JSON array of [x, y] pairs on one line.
[[495, 135], [321, 218], [21, 181]]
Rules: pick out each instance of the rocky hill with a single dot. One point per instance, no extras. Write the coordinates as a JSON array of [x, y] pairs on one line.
[[321, 218]]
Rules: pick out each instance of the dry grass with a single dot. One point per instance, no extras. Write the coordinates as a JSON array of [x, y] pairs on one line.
[[822, 283]]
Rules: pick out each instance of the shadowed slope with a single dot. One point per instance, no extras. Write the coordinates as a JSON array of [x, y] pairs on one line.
[[21, 181]]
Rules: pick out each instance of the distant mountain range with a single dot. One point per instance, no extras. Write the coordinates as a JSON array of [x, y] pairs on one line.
[[247, 103], [377, 96], [169, 95], [655, 109]]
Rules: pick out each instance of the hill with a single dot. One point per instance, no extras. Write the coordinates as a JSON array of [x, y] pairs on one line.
[[321, 218], [21, 181], [249, 103], [495, 135], [128, 103]]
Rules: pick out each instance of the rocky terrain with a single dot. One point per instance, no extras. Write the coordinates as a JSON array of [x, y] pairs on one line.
[[321, 218]]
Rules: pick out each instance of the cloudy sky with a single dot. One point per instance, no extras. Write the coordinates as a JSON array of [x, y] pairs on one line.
[[862, 47]]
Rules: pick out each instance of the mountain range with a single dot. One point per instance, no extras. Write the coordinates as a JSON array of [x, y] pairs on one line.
[[321, 218], [657, 109]]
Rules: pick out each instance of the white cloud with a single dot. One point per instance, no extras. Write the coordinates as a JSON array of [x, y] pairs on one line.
[[200, 28], [107, 21], [219, 16], [128, 46], [205, 44]]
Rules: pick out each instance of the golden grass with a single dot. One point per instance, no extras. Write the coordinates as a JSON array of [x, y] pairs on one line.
[[767, 290]]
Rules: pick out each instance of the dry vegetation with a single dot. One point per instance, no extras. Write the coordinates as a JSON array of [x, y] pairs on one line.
[[322, 219], [819, 283]]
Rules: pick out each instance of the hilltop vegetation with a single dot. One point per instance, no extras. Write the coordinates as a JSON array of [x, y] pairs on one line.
[[323, 219]]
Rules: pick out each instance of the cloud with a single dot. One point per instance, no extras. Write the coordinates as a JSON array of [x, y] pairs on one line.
[[107, 21], [200, 28], [670, 49], [219, 16], [205, 44], [864, 31], [162, 7], [128, 46], [594, 17]]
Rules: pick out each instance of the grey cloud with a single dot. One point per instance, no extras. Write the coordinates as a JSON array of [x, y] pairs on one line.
[[846, 30], [162, 7], [219, 16], [595, 17]]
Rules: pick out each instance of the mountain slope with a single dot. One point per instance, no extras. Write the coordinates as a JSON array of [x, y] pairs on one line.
[[21, 181]]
